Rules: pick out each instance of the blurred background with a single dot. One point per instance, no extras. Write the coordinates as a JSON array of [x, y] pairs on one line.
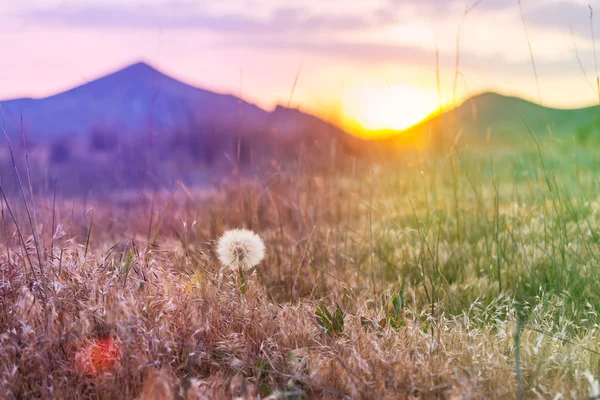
[[137, 94]]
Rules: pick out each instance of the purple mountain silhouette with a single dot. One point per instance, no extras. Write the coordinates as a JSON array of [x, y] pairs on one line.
[[135, 99]]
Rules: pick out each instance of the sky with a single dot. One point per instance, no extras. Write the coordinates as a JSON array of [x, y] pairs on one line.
[[347, 57]]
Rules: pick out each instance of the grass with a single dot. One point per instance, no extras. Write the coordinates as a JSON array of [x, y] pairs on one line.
[[470, 273]]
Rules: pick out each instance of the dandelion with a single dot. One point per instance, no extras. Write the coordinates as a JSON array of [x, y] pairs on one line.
[[240, 250]]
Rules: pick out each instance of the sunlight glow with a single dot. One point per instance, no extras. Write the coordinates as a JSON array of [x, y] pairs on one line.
[[394, 107]]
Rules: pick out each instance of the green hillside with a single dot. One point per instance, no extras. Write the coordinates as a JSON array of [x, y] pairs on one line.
[[498, 117]]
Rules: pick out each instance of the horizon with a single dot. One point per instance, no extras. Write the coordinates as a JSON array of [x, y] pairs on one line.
[[352, 127], [365, 56]]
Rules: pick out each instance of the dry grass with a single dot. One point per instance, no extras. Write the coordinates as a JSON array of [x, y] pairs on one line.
[[442, 240]]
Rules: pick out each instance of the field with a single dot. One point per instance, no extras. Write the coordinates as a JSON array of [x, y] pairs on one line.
[[469, 272]]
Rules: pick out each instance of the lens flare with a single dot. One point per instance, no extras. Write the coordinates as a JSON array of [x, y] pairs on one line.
[[98, 357]]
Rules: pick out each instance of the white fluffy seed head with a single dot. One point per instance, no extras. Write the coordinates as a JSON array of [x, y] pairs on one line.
[[240, 248]]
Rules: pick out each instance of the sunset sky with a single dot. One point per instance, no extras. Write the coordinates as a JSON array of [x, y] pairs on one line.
[[349, 53]]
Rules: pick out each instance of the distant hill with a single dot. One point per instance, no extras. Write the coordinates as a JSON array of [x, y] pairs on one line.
[[130, 100], [140, 99], [504, 117], [138, 127]]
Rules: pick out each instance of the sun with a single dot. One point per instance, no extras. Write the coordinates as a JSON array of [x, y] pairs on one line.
[[394, 107]]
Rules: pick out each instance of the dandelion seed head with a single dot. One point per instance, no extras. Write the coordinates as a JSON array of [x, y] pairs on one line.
[[240, 248]]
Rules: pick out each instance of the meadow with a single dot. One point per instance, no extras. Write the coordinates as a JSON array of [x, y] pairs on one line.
[[465, 272]]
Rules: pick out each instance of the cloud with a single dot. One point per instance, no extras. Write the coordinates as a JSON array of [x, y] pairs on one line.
[[241, 16], [402, 55], [440, 7], [564, 15], [365, 52], [187, 16], [356, 32]]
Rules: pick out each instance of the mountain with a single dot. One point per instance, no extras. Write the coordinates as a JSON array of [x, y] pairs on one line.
[[505, 117], [138, 127], [139, 99], [133, 99]]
